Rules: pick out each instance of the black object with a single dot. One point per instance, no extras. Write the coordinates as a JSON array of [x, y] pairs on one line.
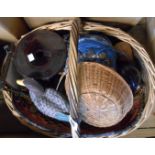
[[132, 75], [9, 73], [40, 54]]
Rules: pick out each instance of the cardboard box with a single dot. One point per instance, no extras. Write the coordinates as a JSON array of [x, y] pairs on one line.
[[11, 29]]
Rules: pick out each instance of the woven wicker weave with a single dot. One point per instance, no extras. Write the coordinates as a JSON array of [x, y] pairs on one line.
[[148, 75], [105, 98]]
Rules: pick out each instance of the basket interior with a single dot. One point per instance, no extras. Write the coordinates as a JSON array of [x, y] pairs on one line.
[[29, 111]]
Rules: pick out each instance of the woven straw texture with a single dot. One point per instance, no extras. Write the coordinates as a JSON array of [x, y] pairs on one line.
[[104, 97]]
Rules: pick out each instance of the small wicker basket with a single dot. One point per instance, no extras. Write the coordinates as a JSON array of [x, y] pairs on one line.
[[28, 115], [104, 97]]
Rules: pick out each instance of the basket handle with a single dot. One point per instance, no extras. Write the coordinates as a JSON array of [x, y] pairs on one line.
[[73, 75]]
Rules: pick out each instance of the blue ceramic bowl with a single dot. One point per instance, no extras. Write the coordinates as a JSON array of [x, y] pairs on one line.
[[94, 48]]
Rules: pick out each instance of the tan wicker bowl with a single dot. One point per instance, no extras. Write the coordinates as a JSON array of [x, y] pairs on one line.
[[56, 129], [104, 97]]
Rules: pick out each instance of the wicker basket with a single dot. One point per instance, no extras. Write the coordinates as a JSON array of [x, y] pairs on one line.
[[104, 97], [29, 116]]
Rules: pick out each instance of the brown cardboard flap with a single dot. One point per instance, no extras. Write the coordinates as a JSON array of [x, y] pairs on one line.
[[34, 22], [11, 28]]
